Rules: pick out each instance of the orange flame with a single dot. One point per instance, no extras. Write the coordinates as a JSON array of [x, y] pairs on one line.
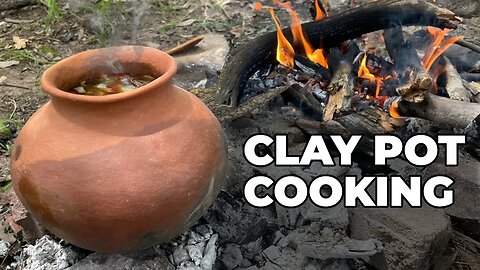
[[318, 11], [394, 110], [285, 52], [439, 45], [257, 6], [299, 39], [364, 73]]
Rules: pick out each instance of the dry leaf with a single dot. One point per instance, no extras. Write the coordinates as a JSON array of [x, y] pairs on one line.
[[20, 43]]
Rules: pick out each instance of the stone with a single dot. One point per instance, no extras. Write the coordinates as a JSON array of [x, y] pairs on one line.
[[413, 238], [465, 210], [272, 253], [231, 256]]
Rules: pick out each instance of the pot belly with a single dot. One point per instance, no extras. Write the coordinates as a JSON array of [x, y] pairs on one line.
[[136, 192]]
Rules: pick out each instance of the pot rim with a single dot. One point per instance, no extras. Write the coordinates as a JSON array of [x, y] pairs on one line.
[[163, 62]]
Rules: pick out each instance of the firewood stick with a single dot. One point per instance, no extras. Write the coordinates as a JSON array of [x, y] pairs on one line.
[[341, 88], [440, 110], [185, 46], [455, 88], [474, 90], [414, 80], [244, 61]]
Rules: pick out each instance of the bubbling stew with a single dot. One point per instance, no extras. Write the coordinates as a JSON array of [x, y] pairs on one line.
[[111, 84]]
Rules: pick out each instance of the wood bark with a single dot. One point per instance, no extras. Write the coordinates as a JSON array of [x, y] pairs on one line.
[[455, 86], [245, 60], [442, 111], [341, 88], [16, 4], [304, 100]]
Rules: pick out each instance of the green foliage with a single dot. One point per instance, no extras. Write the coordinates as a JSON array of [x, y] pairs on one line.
[[8, 127], [54, 13], [5, 187], [109, 12]]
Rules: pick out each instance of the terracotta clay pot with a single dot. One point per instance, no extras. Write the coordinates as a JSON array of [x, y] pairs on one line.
[[119, 172]]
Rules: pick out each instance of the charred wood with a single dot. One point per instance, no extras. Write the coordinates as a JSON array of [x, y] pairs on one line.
[[312, 68], [414, 80], [341, 88], [16, 4], [473, 137], [474, 89], [442, 111], [471, 77], [455, 86], [304, 100], [244, 61], [370, 122]]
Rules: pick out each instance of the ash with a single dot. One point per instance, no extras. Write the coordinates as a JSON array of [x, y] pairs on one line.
[[47, 254]]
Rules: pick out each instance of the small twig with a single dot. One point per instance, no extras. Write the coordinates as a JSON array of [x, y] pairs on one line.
[[223, 10], [15, 86], [18, 21], [14, 108], [185, 46]]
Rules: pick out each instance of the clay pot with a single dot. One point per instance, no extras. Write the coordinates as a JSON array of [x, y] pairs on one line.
[[119, 172]]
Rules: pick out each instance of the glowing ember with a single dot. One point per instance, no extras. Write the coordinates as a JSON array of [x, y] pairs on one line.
[[318, 11], [364, 73], [257, 6], [394, 110], [285, 52], [439, 45]]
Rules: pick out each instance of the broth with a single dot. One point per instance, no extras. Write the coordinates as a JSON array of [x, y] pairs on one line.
[[111, 84]]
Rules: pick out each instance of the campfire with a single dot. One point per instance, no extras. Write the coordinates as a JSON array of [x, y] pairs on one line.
[[330, 66]]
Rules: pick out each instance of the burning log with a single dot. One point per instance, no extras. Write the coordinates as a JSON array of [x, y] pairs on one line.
[[329, 32], [440, 110], [455, 86], [414, 80], [341, 88]]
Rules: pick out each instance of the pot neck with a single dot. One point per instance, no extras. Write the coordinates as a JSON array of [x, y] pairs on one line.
[[136, 108]]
